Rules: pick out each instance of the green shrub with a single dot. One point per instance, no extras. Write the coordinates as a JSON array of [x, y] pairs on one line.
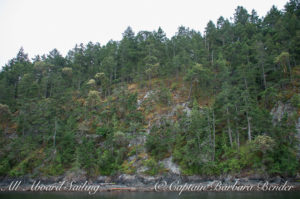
[[54, 168], [20, 169], [159, 142], [296, 100], [109, 162], [164, 96], [4, 166], [153, 167], [174, 86]]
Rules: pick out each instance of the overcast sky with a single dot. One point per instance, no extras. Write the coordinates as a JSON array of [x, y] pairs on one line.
[[42, 25]]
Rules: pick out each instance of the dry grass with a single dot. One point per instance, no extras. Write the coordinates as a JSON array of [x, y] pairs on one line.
[[133, 87]]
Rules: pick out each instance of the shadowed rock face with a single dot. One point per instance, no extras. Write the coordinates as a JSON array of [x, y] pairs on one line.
[[277, 114], [278, 111]]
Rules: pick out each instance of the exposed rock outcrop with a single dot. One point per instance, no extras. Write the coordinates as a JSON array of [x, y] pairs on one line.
[[279, 111], [170, 165]]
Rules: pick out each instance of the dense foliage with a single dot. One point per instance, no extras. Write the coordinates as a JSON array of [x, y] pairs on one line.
[[79, 112]]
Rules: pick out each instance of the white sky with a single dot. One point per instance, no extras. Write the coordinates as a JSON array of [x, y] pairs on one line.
[[42, 25]]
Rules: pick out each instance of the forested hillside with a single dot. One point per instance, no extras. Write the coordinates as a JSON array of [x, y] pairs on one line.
[[209, 101]]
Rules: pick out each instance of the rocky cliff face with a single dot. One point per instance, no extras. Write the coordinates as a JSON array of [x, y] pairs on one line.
[[137, 160], [278, 113]]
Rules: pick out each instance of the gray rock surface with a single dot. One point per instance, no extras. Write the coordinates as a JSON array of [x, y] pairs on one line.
[[279, 110], [170, 165]]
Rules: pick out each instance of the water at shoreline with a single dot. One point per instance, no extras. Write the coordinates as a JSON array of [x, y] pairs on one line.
[[152, 195]]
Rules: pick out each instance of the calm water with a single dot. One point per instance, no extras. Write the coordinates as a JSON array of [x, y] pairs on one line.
[[147, 195]]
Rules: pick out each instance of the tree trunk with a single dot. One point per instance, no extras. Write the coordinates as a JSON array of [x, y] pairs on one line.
[[209, 131], [238, 138], [190, 92], [290, 69], [149, 79], [229, 128], [212, 57], [46, 89], [198, 138], [237, 131], [248, 119], [110, 82], [249, 126], [16, 90], [78, 87], [214, 136], [54, 136], [264, 75], [50, 92]]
